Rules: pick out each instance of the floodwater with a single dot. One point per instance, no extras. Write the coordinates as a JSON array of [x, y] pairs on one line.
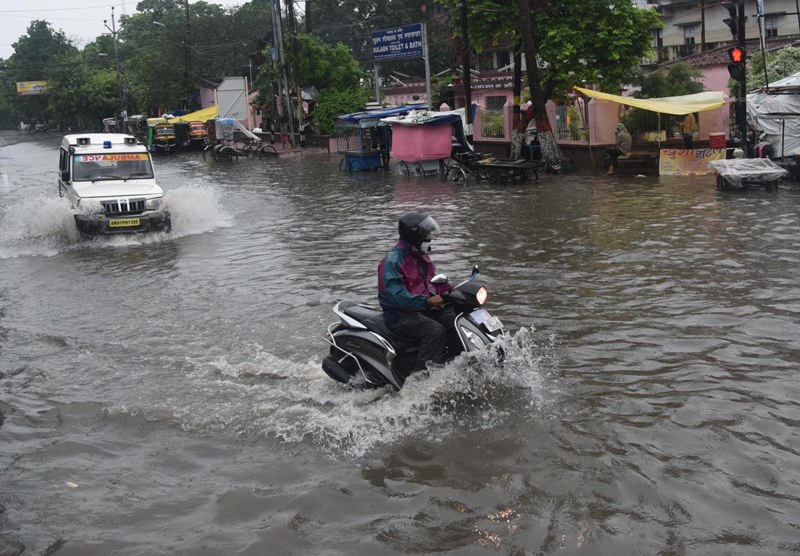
[[163, 395]]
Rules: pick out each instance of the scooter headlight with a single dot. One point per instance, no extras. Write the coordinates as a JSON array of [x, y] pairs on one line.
[[481, 295]]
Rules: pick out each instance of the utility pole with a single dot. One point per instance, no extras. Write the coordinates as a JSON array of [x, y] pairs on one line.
[[741, 106], [187, 61], [466, 73], [114, 33], [702, 25], [277, 26], [296, 74]]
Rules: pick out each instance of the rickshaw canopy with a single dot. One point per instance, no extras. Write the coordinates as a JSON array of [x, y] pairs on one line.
[[198, 116]]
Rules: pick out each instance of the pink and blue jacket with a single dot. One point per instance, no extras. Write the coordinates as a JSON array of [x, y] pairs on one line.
[[404, 282]]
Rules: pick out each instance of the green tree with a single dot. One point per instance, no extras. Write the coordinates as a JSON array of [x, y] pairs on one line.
[[352, 22], [327, 67], [330, 69], [565, 43], [35, 52], [679, 79], [780, 64], [83, 87], [335, 103], [158, 46]]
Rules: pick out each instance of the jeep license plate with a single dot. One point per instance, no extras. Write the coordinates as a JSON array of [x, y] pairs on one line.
[[123, 222], [492, 324]]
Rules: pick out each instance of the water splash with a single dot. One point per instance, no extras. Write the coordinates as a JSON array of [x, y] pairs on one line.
[[296, 403], [196, 209], [43, 225], [37, 225]]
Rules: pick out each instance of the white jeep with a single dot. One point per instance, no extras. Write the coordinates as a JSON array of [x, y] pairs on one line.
[[109, 181]]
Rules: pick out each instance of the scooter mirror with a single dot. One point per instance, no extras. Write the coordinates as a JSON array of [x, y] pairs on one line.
[[439, 279]]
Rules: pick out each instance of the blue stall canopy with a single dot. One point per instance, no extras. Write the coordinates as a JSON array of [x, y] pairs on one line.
[[364, 139], [373, 117]]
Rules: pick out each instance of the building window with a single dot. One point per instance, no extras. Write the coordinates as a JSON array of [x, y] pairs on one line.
[[771, 27], [503, 59], [688, 34], [658, 39], [495, 104], [492, 118]]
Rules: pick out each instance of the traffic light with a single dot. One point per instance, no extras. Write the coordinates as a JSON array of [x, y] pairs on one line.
[[738, 66], [733, 20]]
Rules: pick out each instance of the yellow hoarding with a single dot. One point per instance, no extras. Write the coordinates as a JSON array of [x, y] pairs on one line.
[[31, 88], [686, 162]]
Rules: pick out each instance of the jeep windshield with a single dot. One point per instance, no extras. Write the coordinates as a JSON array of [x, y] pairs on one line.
[[96, 167]]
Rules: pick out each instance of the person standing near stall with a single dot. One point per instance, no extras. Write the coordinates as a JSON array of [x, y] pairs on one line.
[[687, 131]]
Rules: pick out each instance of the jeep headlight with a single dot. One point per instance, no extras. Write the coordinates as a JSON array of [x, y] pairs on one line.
[[154, 204]]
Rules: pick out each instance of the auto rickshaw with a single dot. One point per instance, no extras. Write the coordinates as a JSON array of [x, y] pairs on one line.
[[197, 135], [161, 138]]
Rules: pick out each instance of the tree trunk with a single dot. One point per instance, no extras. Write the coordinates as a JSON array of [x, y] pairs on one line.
[[551, 154], [516, 140]]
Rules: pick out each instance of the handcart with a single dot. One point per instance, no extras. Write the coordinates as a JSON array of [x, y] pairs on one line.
[[747, 173], [364, 140], [493, 170], [423, 141], [229, 139], [434, 143]]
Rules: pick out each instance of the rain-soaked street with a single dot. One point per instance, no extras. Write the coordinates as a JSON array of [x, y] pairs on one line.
[[163, 395]]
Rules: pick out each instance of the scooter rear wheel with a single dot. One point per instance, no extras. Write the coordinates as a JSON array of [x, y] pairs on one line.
[[339, 365]]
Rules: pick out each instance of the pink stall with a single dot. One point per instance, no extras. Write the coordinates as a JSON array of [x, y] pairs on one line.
[[422, 141]]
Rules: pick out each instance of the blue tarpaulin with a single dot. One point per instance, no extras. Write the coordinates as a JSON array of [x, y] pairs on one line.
[[373, 118]]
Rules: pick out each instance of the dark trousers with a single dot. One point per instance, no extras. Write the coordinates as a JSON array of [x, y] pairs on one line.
[[431, 329], [688, 141], [613, 154]]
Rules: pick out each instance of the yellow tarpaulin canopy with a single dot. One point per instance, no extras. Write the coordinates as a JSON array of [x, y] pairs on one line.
[[200, 116], [678, 106]]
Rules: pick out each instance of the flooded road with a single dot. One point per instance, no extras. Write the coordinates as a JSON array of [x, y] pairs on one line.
[[164, 395]]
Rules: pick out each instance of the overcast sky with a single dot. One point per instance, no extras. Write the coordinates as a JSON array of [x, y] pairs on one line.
[[80, 20]]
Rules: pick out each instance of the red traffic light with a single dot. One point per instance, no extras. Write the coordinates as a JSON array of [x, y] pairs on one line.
[[737, 55]]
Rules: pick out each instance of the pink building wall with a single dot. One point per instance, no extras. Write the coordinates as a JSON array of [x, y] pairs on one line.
[[603, 115]]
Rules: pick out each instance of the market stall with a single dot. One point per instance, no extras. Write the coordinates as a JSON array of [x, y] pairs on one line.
[[364, 140]]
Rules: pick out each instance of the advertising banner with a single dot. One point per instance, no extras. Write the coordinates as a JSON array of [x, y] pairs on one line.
[[400, 42], [688, 162], [25, 88]]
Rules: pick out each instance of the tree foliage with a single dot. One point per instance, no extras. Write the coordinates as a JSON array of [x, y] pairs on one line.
[[577, 41], [565, 43], [780, 64], [679, 79], [35, 53], [162, 53], [80, 88], [327, 67], [335, 103]]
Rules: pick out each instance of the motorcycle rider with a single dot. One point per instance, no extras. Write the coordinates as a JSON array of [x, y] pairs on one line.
[[412, 306]]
